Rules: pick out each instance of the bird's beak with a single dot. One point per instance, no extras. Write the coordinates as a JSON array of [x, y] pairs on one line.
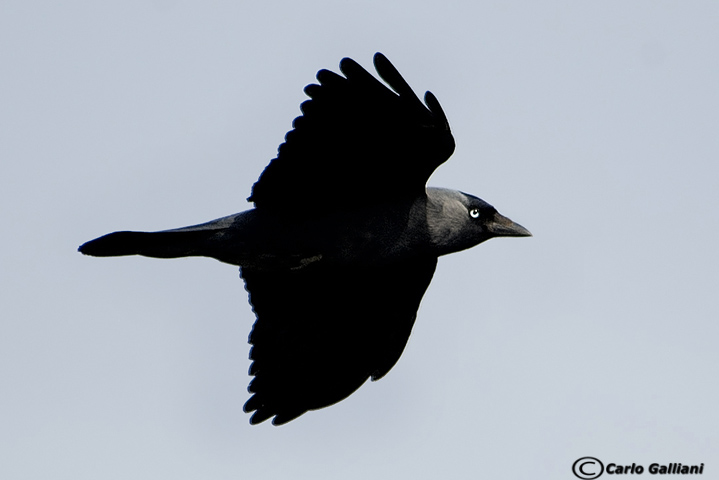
[[501, 226]]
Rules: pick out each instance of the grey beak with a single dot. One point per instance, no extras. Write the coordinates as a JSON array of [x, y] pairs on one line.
[[501, 226]]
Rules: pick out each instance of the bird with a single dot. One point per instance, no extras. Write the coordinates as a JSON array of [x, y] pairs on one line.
[[342, 241]]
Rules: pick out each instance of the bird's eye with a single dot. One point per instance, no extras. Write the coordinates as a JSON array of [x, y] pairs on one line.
[[474, 213]]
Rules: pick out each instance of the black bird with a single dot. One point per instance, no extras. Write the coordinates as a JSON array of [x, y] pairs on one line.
[[343, 240]]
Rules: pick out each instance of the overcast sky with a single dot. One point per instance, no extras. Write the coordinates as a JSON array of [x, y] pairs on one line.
[[593, 124]]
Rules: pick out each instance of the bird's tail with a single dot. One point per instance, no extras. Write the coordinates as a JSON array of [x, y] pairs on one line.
[[212, 239], [149, 244]]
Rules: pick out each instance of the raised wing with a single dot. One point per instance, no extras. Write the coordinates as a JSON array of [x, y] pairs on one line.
[[322, 332], [357, 142]]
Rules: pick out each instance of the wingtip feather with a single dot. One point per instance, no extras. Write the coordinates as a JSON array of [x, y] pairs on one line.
[[433, 104]]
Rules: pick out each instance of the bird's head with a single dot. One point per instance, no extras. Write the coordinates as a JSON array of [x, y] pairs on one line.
[[458, 221]]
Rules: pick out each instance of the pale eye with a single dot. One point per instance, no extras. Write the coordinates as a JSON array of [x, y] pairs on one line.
[[474, 213]]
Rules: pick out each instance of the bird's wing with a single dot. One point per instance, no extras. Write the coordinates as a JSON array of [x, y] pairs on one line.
[[357, 142], [321, 332]]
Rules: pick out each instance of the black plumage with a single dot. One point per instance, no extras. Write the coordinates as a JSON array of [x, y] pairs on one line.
[[336, 285]]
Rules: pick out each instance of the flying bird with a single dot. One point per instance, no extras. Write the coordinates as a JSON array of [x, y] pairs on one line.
[[342, 241]]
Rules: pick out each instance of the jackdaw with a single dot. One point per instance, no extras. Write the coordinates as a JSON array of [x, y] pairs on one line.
[[342, 241]]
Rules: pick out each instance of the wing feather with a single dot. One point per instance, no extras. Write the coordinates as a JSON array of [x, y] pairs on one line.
[[322, 332], [357, 136]]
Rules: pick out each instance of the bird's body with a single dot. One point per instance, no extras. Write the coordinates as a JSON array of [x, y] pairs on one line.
[[256, 239], [336, 285]]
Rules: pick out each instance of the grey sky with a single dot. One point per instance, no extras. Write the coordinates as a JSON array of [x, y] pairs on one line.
[[593, 124]]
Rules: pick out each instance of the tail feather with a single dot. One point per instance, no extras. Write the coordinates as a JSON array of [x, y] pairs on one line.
[[167, 244]]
